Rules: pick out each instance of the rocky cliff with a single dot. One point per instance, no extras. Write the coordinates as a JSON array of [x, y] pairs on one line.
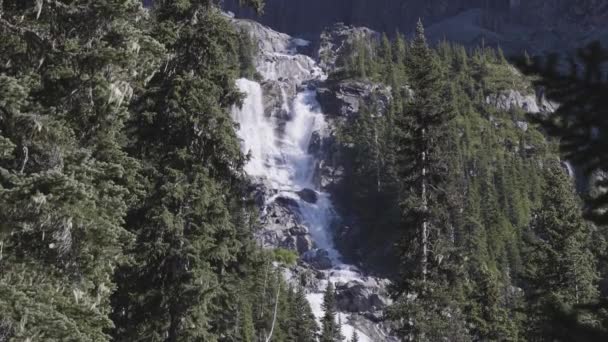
[[289, 138], [534, 25]]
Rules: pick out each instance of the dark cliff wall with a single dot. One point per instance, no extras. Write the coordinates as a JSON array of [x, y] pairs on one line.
[[557, 21], [311, 16]]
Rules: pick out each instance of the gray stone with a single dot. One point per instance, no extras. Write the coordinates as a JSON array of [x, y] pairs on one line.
[[512, 99], [304, 243], [308, 195], [522, 125], [343, 99], [298, 230], [318, 259], [356, 296]]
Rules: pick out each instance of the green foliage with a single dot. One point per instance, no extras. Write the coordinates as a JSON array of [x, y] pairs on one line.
[[124, 212], [487, 176], [560, 267], [330, 330], [66, 182], [285, 256], [247, 52]]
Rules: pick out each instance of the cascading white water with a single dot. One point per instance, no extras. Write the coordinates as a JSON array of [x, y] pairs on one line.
[[282, 159]]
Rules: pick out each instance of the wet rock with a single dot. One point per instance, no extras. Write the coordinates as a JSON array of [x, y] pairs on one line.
[[298, 230], [373, 326], [277, 57], [278, 223], [309, 278], [289, 242], [276, 99], [287, 202], [331, 175], [318, 259], [316, 143], [356, 296], [304, 243], [308, 195]]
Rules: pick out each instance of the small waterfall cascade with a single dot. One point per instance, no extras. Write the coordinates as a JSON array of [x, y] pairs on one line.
[[280, 157]]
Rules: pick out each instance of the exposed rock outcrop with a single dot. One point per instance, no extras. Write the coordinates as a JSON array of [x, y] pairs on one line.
[[513, 99], [360, 297], [297, 213], [345, 98], [319, 259]]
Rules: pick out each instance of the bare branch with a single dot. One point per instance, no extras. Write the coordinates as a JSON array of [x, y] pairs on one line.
[[25, 159]]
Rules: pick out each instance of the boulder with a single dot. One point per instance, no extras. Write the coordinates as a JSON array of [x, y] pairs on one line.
[[286, 202], [298, 230], [308, 195], [279, 223], [289, 242], [356, 296], [319, 259], [304, 243]]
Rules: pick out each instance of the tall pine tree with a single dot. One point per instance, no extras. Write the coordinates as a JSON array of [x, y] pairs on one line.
[[560, 268], [330, 330], [426, 303]]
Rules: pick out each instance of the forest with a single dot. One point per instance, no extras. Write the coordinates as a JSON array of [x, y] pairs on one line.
[[126, 215]]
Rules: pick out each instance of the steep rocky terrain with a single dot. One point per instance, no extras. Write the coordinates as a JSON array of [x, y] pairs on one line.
[[310, 216], [289, 140]]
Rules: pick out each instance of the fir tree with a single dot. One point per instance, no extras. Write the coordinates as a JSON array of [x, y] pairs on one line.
[[330, 331], [560, 267], [305, 324], [65, 81], [428, 259]]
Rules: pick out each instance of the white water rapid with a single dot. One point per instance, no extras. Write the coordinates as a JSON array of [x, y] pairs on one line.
[[279, 156]]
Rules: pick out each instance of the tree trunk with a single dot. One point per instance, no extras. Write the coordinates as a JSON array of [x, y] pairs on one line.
[[424, 231], [274, 318]]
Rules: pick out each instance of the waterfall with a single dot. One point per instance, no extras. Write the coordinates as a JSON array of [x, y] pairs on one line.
[[279, 157], [283, 159]]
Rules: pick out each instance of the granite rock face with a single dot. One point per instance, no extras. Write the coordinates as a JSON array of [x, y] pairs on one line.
[[344, 99], [530, 103]]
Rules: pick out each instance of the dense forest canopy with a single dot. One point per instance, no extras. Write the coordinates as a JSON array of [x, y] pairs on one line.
[[125, 213]]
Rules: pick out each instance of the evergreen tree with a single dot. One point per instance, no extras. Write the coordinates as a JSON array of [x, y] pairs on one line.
[[422, 293], [189, 227], [560, 267], [66, 76], [385, 54], [355, 337], [331, 330], [305, 324]]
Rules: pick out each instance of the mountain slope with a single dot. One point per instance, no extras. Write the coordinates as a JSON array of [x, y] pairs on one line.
[[536, 25]]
